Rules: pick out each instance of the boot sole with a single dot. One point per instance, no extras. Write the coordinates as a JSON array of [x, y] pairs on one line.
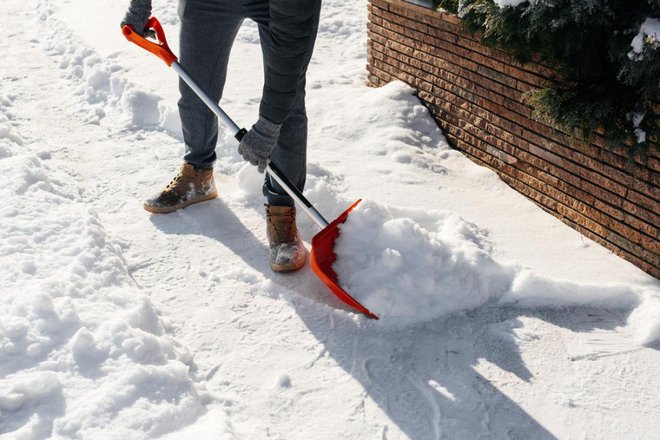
[[166, 210], [285, 268]]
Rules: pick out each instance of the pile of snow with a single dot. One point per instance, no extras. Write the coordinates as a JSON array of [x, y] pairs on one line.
[[407, 273], [8, 134], [82, 350], [511, 3], [649, 33], [103, 90], [645, 319], [410, 267]]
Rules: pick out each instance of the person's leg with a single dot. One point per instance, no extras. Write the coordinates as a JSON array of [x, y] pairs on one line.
[[287, 251], [290, 154], [208, 29]]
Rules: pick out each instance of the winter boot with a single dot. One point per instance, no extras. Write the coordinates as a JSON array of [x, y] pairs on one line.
[[287, 252], [190, 186]]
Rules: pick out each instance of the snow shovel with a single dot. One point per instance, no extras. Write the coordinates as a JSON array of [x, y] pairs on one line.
[[323, 244]]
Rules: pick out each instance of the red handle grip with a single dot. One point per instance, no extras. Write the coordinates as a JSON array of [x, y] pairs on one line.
[[158, 48]]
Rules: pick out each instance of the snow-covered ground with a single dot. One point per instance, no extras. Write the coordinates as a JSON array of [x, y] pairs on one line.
[[498, 321]]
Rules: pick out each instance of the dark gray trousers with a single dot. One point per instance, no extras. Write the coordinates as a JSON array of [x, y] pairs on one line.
[[208, 30]]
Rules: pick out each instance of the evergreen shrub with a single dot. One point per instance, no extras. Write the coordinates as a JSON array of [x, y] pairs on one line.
[[602, 83]]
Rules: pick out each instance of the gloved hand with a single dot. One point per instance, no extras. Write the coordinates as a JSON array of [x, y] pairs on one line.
[[258, 143], [138, 13]]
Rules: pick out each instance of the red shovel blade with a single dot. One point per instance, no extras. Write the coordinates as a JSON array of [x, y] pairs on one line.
[[323, 257]]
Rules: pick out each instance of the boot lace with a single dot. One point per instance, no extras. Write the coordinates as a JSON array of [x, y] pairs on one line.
[[170, 186], [282, 227], [184, 172]]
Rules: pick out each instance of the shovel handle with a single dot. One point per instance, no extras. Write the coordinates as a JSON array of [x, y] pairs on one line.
[[158, 48]]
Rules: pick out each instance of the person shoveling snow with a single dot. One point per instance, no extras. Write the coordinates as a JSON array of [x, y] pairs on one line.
[[287, 33], [195, 184]]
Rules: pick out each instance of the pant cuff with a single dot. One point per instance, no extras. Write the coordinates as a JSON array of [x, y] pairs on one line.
[[274, 198]]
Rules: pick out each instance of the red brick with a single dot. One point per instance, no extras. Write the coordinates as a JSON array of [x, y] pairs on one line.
[[644, 214], [447, 50]]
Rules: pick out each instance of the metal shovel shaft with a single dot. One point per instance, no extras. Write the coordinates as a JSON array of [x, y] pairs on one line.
[[272, 170], [215, 108]]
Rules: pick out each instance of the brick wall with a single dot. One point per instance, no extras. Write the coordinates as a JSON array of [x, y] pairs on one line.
[[475, 93]]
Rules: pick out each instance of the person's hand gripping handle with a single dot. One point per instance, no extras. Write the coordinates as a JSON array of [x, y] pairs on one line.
[[158, 47]]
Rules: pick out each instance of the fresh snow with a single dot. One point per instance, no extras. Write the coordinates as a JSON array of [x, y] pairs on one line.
[[497, 320], [82, 350], [511, 3], [408, 273], [649, 33]]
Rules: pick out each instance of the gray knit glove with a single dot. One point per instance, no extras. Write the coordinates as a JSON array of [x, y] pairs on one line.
[[138, 13], [258, 143]]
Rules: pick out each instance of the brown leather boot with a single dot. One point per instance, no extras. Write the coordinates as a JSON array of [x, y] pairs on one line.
[[190, 186], [287, 252]]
